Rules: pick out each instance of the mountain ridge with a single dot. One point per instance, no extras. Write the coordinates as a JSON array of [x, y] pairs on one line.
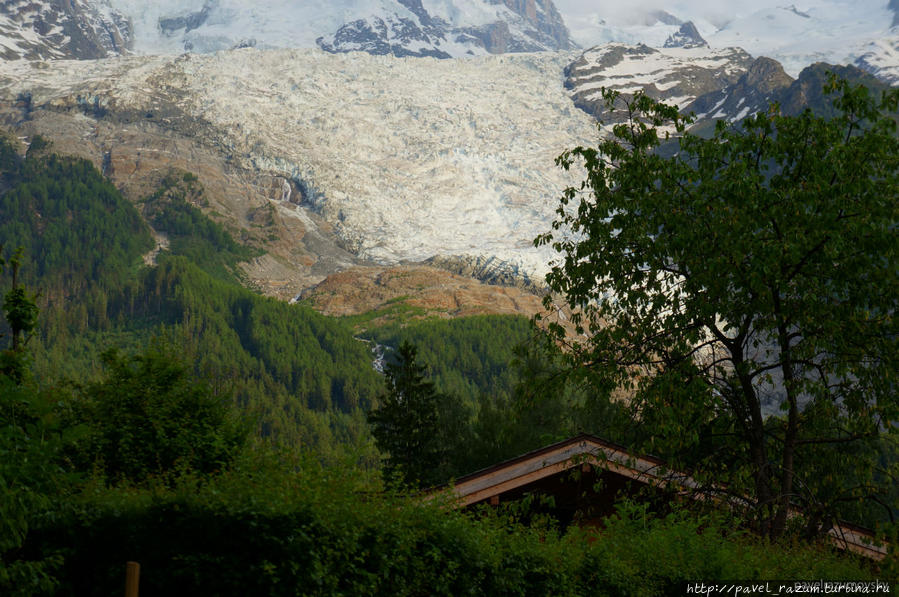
[[48, 29], [397, 27]]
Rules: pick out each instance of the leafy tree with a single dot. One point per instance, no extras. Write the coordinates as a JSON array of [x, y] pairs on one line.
[[149, 416], [415, 425], [753, 273]]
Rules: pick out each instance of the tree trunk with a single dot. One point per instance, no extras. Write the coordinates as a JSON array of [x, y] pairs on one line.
[[792, 430]]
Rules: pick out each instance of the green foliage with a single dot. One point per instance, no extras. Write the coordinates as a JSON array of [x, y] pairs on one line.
[[236, 333], [301, 377], [640, 553], [488, 407], [149, 417], [173, 211], [751, 271], [73, 224], [414, 425], [9, 157], [84, 242], [29, 448], [20, 311], [290, 528], [467, 356], [31, 482]]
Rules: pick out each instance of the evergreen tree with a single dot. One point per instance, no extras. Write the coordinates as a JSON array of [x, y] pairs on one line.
[[405, 426]]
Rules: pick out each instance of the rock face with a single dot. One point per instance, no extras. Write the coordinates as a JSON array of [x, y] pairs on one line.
[[711, 84], [392, 34], [435, 28], [38, 30], [686, 37], [673, 75], [807, 91], [749, 94], [517, 26]]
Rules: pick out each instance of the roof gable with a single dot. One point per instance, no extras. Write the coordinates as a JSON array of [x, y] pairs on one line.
[[531, 468]]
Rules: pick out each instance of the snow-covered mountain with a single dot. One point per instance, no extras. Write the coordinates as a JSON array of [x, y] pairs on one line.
[[438, 28], [833, 31], [860, 32], [723, 84], [795, 34], [881, 59], [674, 75], [61, 29]]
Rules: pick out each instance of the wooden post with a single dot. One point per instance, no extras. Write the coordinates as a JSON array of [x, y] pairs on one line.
[[132, 579]]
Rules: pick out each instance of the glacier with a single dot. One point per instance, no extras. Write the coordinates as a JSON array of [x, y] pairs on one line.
[[408, 158]]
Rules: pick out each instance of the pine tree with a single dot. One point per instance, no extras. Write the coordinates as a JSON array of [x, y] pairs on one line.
[[405, 426]]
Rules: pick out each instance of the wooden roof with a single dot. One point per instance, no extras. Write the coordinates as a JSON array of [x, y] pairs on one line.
[[528, 469], [550, 460]]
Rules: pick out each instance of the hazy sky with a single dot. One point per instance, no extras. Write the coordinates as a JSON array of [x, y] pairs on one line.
[[629, 10], [722, 9]]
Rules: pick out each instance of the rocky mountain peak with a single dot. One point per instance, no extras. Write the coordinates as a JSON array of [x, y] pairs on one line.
[[61, 29], [686, 37], [808, 89], [674, 75], [763, 79], [524, 26], [438, 28], [766, 75], [544, 17]]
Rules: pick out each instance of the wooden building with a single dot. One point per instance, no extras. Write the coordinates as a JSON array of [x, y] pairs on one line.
[[585, 475]]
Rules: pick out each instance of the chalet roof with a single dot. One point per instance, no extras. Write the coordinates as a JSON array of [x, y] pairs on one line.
[[561, 456], [528, 469]]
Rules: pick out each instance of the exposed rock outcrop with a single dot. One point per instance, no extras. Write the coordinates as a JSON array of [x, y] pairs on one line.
[[686, 37], [78, 29], [674, 75], [430, 291], [527, 26], [751, 93]]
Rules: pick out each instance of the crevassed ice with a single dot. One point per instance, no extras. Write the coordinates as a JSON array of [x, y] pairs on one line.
[[408, 158]]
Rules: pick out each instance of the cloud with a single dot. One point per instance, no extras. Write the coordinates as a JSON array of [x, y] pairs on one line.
[[632, 12]]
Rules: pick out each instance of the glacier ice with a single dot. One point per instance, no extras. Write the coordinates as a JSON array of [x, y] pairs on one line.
[[407, 157]]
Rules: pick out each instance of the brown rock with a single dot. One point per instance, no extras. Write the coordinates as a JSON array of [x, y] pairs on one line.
[[431, 291]]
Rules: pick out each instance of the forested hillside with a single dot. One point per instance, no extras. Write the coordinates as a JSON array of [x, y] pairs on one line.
[[303, 378]]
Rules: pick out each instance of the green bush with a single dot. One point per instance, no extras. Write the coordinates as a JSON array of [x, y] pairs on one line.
[[292, 528]]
